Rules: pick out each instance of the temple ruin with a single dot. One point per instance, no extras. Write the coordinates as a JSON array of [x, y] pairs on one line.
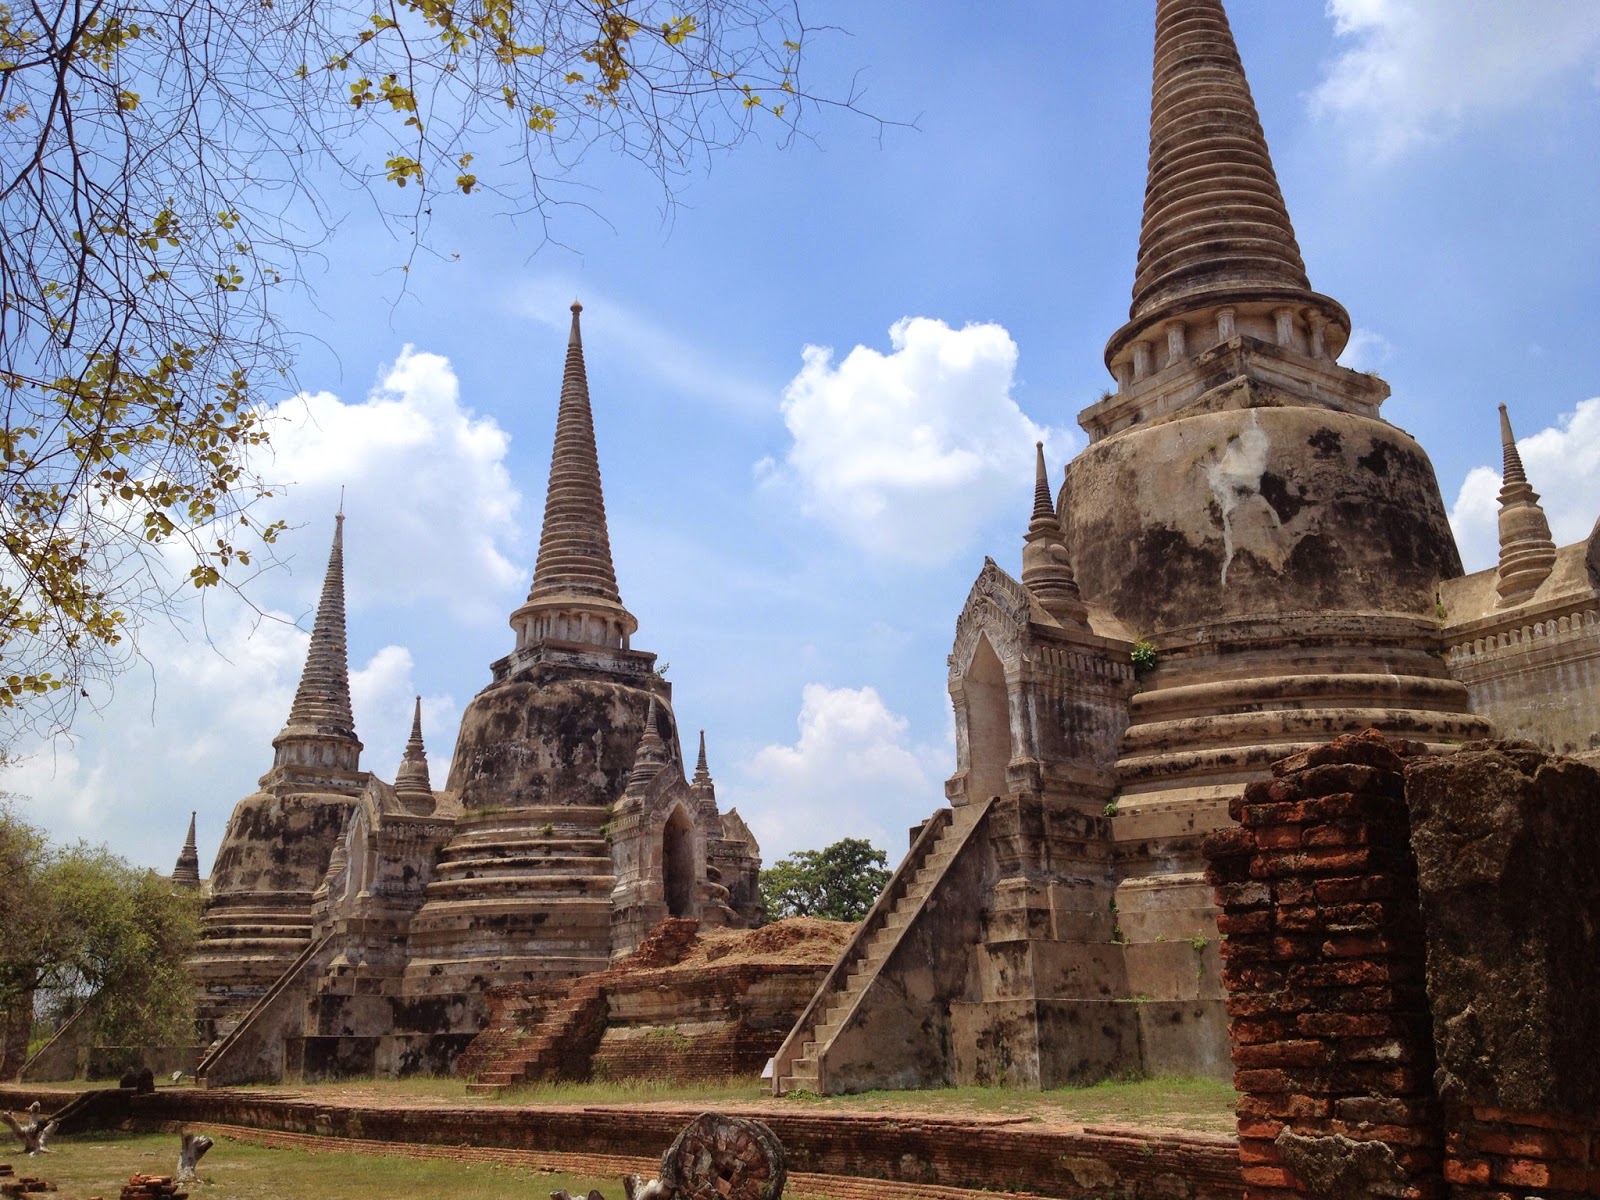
[[1245, 561], [354, 926]]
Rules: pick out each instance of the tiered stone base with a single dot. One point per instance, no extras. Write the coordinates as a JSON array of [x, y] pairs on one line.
[[520, 896]]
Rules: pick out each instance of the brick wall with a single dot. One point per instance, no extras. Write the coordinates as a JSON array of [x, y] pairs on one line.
[[1323, 963], [1412, 960]]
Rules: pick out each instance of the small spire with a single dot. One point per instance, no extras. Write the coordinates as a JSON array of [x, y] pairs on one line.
[[1527, 551], [1513, 472], [187, 870], [411, 778], [1043, 509], [651, 755], [321, 710], [575, 336], [1046, 565], [702, 773]]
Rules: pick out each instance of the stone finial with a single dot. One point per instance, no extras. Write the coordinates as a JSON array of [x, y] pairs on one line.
[[1216, 230], [651, 755], [411, 782], [320, 716], [1046, 565], [574, 595], [702, 773], [1527, 551], [187, 871]]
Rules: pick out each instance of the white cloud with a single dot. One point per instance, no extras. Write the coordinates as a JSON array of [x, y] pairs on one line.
[[907, 454], [432, 509], [1419, 67], [1367, 350], [431, 528], [1562, 463], [853, 772]]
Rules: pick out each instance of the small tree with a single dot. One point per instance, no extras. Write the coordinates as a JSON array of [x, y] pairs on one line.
[[838, 883], [81, 922]]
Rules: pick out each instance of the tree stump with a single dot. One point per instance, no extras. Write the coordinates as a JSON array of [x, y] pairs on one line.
[[724, 1158]]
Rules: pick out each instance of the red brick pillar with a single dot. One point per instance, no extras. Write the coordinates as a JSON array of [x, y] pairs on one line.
[[1323, 961]]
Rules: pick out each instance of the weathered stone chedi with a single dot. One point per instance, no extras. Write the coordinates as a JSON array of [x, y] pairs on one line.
[[1245, 525], [354, 926]]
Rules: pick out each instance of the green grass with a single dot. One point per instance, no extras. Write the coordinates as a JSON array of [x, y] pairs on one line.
[[99, 1164], [1205, 1105], [1194, 1104]]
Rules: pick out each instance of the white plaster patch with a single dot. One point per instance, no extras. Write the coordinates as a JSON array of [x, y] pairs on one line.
[[1234, 478]]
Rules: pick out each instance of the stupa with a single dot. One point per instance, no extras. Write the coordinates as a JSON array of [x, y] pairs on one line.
[[354, 926], [1245, 561]]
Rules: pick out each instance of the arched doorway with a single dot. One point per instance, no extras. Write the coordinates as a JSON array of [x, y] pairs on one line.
[[677, 863], [988, 723]]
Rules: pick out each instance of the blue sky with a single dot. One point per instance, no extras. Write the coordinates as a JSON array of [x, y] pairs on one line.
[[817, 378]]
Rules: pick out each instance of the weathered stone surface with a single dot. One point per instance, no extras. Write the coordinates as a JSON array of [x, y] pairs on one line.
[[1507, 842], [552, 737], [1336, 1167]]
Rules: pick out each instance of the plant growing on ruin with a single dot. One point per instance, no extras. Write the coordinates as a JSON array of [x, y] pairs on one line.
[[1143, 656]]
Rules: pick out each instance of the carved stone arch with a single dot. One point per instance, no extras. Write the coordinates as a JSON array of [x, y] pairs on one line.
[[679, 875], [361, 849], [985, 699]]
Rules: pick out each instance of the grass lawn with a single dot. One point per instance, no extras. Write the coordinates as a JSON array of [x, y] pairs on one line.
[[98, 1164]]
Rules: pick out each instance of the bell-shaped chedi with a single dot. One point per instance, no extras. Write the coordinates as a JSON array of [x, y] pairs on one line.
[[276, 849], [1527, 551], [522, 890]]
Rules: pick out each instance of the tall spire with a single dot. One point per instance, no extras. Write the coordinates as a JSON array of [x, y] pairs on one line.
[[1216, 231], [187, 871], [573, 578], [1527, 551], [321, 710], [411, 782], [1046, 565], [575, 547]]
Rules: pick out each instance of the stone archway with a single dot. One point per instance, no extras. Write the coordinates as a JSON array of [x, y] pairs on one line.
[[988, 723], [677, 863]]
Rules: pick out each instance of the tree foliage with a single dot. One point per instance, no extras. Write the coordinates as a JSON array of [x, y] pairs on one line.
[[165, 169], [838, 883], [80, 922]]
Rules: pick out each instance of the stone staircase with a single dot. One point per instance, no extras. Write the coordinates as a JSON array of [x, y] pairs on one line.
[[570, 1030], [799, 1064], [269, 1008], [559, 1047]]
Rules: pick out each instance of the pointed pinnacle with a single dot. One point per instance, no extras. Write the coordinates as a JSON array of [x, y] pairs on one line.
[[187, 869], [1513, 472], [188, 842], [322, 701], [574, 544], [702, 773], [412, 774], [1042, 506]]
